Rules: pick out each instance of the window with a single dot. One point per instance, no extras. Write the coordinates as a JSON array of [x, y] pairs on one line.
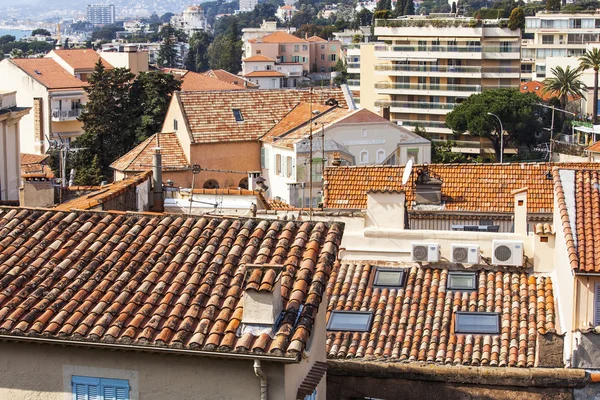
[[389, 277], [332, 57], [547, 39], [258, 51], [333, 48], [304, 47], [422, 45], [414, 154], [237, 113], [364, 133], [477, 322], [289, 167], [313, 395], [364, 157], [323, 57], [269, 67], [296, 47], [354, 321], [322, 47], [175, 124], [458, 280], [278, 164], [295, 59], [88, 388], [380, 155], [282, 49]]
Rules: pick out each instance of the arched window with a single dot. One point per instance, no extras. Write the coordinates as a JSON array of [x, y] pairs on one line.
[[380, 155], [243, 184], [211, 184], [364, 157]]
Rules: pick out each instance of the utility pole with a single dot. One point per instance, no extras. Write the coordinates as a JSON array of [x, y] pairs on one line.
[[63, 153], [310, 139], [552, 125]]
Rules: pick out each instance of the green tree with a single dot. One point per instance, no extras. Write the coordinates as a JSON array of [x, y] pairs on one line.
[[517, 19], [363, 18], [151, 94], [226, 50], [520, 114], [167, 53], [17, 53], [40, 31], [409, 9], [564, 83], [553, 5], [384, 5], [591, 60], [342, 70], [453, 11], [197, 58], [109, 120], [91, 174]]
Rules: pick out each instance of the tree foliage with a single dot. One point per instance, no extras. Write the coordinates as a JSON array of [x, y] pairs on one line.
[[40, 31], [564, 83], [384, 5], [553, 5], [517, 19], [591, 60], [520, 114], [226, 51], [106, 32], [197, 58]]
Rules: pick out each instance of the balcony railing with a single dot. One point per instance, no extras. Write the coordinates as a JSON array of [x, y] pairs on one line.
[[425, 124], [501, 49], [501, 70], [415, 104], [66, 114], [353, 82], [430, 48], [424, 86], [353, 65], [427, 68]]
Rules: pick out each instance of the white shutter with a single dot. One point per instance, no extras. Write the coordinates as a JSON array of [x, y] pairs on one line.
[[284, 169], [597, 304]]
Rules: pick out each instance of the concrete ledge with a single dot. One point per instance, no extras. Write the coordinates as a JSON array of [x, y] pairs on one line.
[[500, 376]]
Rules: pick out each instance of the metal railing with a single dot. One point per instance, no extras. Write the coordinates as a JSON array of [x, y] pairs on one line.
[[415, 104], [353, 65], [425, 86], [431, 48], [353, 82], [427, 68], [501, 70], [425, 124], [64, 114]]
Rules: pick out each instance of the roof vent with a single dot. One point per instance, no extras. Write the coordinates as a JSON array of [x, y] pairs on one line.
[[37, 72], [262, 296], [428, 187], [316, 112]]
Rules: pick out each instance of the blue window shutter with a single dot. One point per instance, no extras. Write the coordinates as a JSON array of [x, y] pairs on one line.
[[115, 389], [85, 388], [108, 393]]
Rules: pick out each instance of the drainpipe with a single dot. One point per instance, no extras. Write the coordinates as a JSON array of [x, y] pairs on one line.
[[263, 379]]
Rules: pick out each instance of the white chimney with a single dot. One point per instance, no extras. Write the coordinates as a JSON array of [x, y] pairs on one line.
[[520, 213], [262, 307]]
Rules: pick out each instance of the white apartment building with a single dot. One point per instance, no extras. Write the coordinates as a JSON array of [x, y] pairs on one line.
[[191, 21], [555, 35], [100, 14], [422, 67], [10, 165], [246, 6]]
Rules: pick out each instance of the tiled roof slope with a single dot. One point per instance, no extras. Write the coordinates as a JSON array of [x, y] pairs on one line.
[[80, 59], [582, 235], [414, 323], [465, 187], [49, 73], [191, 81], [299, 115], [211, 119], [150, 281], [225, 76], [140, 157], [106, 193], [594, 148], [34, 166], [278, 37]]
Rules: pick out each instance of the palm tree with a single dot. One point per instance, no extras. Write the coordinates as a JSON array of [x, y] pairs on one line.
[[565, 83], [591, 60]]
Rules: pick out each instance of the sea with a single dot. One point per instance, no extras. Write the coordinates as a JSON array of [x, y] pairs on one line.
[[17, 33]]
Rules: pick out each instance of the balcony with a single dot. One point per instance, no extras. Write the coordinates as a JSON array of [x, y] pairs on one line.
[[416, 107], [66, 115], [423, 89], [501, 72], [502, 52], [427, 70], [428, 51], [430, 126]]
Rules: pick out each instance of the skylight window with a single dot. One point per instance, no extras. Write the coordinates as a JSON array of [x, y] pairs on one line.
[[458, 280], [237, 113], [354, 321], [388, 277], [477, 323]]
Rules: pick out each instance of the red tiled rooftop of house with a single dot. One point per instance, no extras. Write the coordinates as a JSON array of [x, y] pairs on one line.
[[594, 148], [465, 187], [158, 281], [82, 59], [258, 74], [192, 81], [34, 166], [316, 38], [416, 321], [257, 58], [210, 115], [278, 37], [48, 72], [140, 158], [225, 76]]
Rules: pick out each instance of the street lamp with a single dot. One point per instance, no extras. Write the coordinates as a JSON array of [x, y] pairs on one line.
[[501, 136]]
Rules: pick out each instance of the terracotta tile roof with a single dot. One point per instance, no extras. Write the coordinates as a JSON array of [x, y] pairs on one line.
[[158, 281], [258, 74], [582, 233], [538, 88], [594, 148], [106, 193], [299, 115], [275, 204], [140, 157], [363, 116], [256, 58], [192, 81], [278, 37], [316, 38], [49, 73], [210, 113], [34, 166], [27, 159], [82, 59], [465, 187], [228, 77], [415, 322]]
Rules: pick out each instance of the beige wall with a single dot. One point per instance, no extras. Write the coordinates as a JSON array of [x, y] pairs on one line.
[[368, 78], [44, 371], [137, 61], [175, 113], [10, 163]]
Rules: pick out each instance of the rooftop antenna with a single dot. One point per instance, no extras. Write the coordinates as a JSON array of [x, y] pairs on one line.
[[63, 152], [407, 171]]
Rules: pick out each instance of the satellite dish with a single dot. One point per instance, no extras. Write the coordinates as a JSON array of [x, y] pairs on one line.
[[407, 171]]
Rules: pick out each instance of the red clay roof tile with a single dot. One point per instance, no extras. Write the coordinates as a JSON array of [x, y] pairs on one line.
[[48, 72], [140, 157]]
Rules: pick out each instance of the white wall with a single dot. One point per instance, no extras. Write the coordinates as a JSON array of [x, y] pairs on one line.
[[278, 183], [266, 82], [10, 163]]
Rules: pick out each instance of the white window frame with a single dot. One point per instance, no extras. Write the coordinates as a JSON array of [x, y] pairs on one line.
[[360, 159]]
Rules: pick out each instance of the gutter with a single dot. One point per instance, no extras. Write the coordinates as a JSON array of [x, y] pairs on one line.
[[150, 349], [494, 376]]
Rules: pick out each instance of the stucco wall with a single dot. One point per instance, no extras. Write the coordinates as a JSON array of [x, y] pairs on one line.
[[278, 183], [10, 169], [31, 371]]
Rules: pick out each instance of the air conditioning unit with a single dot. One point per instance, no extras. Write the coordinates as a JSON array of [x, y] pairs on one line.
[[465, 254], [507, 252], [425, 252]]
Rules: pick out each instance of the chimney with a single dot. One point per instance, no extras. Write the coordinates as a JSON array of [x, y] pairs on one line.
[[262, 295], [158, 200], [252, 176], [428, 189], [520, 216], [385, 112], [386, 210], [337, 159], [36, 192]]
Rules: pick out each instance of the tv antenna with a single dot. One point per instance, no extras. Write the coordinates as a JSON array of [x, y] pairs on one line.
[[63, 150]]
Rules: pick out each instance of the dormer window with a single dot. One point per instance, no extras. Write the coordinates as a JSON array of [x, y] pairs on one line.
[[389, 278], [486, 323], [237, 113], [353, 321], [459, 280]]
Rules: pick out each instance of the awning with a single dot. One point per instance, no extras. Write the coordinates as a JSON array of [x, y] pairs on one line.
[[511, 39]]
